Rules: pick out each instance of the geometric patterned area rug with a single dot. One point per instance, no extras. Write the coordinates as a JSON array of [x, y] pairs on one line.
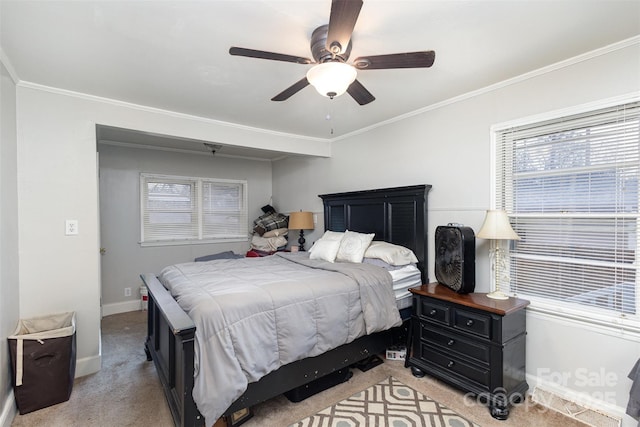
[[389, 403]]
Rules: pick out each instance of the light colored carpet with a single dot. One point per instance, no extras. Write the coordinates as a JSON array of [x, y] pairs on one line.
[[127, 392]]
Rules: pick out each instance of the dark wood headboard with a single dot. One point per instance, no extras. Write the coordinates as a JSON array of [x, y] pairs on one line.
[[396, 215]]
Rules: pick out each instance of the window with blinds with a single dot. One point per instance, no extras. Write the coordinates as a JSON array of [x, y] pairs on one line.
[[570, 187], [178, 210]]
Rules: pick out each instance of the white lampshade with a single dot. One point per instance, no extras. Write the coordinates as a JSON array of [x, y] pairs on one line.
[[331, 78], [496, 226]]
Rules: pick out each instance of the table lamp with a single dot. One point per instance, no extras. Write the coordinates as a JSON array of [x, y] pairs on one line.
[[496, 227], [301, 221]]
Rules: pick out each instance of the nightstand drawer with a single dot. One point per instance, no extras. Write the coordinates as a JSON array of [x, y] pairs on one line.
[[475, 323], [434, 312], [455, 343], [477, 374]]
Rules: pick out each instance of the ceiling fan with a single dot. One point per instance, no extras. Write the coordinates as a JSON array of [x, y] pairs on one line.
[[330, 48]]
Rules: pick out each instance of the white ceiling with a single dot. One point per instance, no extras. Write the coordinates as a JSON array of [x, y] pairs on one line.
[[173, 55]]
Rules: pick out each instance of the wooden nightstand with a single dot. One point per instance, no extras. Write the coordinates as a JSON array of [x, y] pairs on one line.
[[472, 342]]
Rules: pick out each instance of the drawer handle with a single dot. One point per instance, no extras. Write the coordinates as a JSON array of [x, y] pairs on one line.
[[451, 342], [433, 312], [450, 364], [470, 322]]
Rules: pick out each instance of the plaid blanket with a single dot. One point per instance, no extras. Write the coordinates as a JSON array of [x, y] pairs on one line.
[[270, 221]]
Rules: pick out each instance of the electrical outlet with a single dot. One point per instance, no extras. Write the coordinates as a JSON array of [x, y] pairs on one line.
[[127, 292], [71, 227]]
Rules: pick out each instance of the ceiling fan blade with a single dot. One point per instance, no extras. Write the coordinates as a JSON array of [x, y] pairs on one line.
[[360, 93], [344, 14], [291, 90], [422, 59], [252, 53]]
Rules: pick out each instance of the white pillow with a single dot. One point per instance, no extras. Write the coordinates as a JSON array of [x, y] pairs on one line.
[[325, 250], [326, 247], [390, 253], [332, 235], [353, 246]]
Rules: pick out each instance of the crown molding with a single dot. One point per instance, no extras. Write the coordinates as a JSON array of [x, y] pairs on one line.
[[118, 103], [505, 83], [4, 59]]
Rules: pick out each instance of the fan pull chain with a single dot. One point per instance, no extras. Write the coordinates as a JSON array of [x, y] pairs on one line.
[[329, 118]]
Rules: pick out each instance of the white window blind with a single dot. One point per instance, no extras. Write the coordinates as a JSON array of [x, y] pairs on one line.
[[186, 209], [223, 213], [570, 187]]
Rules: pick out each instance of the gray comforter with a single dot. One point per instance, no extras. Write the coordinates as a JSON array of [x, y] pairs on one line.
[[253, 315]]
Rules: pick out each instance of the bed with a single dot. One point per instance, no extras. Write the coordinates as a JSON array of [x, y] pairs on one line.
[[395, 215]]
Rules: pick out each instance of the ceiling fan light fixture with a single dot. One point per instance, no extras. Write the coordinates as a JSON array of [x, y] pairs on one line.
[[332, 78]]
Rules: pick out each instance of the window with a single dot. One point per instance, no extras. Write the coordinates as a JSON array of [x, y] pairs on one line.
[[570, 187], [178, 210]]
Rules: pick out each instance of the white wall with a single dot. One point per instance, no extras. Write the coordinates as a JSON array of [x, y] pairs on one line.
[[449, 148], [9, 297], [125, 259], [57, 180]]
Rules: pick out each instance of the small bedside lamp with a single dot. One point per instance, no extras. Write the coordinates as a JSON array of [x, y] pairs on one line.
[[301, 221], [496, 227]]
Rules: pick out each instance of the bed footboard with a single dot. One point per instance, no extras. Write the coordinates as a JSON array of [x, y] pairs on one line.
[[170, 344]]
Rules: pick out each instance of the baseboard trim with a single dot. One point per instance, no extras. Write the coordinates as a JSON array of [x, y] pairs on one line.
[[88, 365], [9, 410], [121, 307], [566, 393]]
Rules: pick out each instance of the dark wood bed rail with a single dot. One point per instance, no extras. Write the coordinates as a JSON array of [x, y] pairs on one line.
[[170, 344]]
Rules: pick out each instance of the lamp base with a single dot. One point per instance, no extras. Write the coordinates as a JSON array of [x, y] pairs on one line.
[[301, 241], [497, 295]]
